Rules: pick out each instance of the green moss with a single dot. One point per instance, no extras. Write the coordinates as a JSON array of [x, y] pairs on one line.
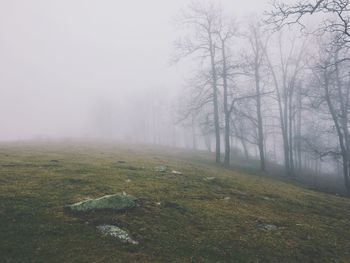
[[115, 202]]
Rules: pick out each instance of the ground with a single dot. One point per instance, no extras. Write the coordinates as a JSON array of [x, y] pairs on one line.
[[207, 214]]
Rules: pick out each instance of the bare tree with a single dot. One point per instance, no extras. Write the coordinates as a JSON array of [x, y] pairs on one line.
[[204, 22], [285, 81], [225, 33], [196, 103], [255, 60], [333, 78], [206, 128], [269, 102], [334, 16]]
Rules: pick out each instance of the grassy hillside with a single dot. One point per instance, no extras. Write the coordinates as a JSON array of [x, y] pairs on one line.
[[233, 217]]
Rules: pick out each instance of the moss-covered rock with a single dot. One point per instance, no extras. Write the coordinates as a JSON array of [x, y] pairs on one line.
[[115, 202], [161, 169]]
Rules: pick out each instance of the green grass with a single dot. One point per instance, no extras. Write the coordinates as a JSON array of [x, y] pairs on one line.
[[196, 221]]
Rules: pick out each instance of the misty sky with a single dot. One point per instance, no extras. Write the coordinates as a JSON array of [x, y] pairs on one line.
[[62, 61]]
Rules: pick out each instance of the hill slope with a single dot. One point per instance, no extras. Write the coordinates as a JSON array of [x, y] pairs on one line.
[[207, 214]]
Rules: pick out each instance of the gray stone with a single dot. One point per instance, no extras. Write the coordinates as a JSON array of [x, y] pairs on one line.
[[161, 169], [267, 227], [114, 202], [116, 232]]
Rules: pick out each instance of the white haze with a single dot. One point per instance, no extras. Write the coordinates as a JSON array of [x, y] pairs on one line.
[[69, 67]]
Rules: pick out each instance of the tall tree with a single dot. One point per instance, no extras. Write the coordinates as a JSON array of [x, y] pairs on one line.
[[331, 74], [225, 33], [285, 77], [203, 21], [255, 60]]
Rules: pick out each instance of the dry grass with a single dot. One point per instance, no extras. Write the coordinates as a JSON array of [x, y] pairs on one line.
[[198, 220]]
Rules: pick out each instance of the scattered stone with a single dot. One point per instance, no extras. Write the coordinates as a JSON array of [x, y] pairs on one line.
[[227, 198], [158, 203], [267, 227], [114, 231], [115, 202], [128, 181], [176, 172], [161, 169]]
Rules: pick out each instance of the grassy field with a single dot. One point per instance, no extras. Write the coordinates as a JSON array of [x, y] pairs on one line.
[[197, 220]]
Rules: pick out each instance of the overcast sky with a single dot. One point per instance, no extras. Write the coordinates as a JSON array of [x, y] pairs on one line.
[[60, 60]]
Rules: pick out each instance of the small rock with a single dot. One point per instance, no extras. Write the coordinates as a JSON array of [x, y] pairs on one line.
[[267, 227], [227, 198], [161, 169], [176, 172], [128, 181], [115, 202], [114, 231]]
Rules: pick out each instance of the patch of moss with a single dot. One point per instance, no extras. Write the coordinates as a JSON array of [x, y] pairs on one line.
[[115, 202]]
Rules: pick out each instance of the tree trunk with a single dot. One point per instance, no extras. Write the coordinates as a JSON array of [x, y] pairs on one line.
[[344, 125], [226, 110], [281, 116], [298, 144], [343, 147], [207, 141], [215, 100], [290, 130], [259, 117], [193, 130], [284, 126]]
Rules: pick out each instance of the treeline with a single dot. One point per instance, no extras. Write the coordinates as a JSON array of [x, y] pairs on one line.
[[278, 84]]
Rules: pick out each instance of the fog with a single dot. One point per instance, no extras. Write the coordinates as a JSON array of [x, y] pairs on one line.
[[151, 72], [63, 64], [174, 130]]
